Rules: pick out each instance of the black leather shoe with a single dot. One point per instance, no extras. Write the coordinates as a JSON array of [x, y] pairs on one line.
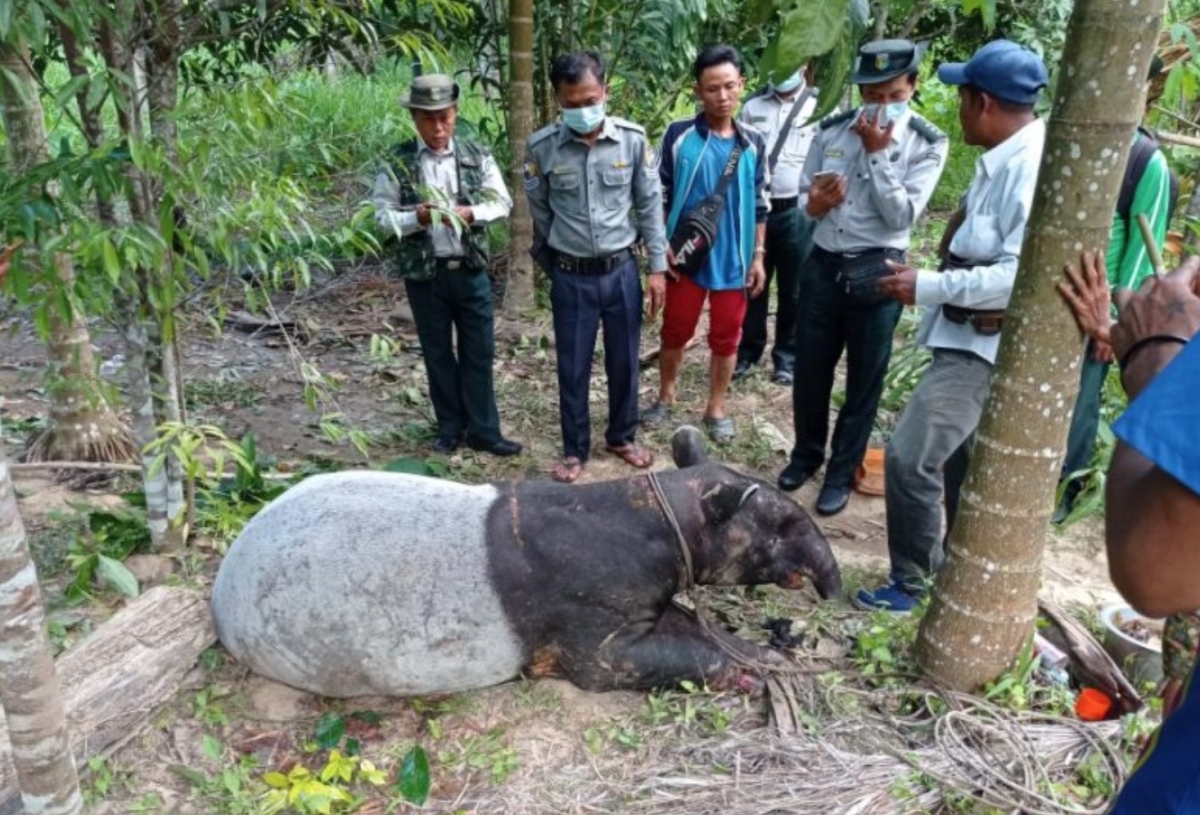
[[503, 447], [742, 369], [832, 500], [445, 445], [793, 477]]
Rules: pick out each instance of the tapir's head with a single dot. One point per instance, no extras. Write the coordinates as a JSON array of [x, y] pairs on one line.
[[750, 532]]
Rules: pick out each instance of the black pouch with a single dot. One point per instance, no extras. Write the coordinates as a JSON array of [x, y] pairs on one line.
[[860, 273], [695, 233]]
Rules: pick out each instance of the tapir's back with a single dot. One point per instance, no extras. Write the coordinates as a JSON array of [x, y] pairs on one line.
[[362, 583]]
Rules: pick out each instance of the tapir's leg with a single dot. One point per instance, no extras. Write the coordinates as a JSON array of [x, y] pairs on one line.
[[677, 648]]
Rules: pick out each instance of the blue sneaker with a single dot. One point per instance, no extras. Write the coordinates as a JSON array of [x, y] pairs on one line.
[[892, 597]]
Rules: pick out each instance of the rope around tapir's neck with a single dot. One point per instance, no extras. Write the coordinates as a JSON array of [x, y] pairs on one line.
[[689, 574], [688, 583]]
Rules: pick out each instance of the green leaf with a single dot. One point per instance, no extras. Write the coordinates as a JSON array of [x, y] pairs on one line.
[[114, 573], [412, 781], [330, 729], [809, 30], [212, 747]]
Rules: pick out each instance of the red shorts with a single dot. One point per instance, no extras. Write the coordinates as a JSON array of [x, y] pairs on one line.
[[685, 301]]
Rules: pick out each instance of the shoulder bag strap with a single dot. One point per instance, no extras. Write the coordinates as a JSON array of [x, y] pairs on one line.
[[787, 125]]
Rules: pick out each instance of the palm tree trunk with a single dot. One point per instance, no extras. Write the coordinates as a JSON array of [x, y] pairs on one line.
[[29, 687], [81, 426], [518, 293], [985, 599]]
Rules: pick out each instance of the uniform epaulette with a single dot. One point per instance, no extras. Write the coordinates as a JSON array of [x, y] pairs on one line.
[[628, 125], [838, 119], [927, 128], [539, 135]]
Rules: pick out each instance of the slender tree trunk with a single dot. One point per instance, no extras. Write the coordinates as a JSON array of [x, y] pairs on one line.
[[1192, 216], [518, 293], [82, 426], [985, 599], [29, 686]]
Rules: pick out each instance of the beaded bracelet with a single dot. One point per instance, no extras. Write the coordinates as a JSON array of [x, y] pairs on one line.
[[1153, 339]]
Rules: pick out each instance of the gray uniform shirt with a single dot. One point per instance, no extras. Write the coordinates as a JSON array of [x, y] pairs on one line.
[[886, 191], [593, 201], [766, 113], [439, 177]]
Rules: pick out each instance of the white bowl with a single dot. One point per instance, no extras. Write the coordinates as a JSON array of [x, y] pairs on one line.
[[1141, 661]]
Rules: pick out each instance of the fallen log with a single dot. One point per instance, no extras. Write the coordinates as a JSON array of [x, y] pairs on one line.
[[125, 670]]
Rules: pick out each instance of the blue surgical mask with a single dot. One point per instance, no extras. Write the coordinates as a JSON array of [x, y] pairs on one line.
[[790, 84], [891, 111], [583, 120]]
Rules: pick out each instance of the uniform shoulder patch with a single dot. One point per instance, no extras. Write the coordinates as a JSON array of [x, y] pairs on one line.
[[628, 125], [838, 118], [926, 128], [540, 135]]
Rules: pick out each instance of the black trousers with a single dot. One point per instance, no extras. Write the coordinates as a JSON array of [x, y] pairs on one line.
[[455, 324], [789, 240], [832, 322]]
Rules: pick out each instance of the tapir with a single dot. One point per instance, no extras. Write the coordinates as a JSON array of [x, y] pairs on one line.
[[372, 583]]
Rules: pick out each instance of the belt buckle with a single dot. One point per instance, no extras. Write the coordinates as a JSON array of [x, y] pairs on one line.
[[453, 264]]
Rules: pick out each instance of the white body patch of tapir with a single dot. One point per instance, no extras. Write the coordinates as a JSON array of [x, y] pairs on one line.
[[361, 583]]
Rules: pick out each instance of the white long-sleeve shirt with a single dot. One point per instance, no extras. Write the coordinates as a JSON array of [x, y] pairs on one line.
[[440, 181], [997, 206]]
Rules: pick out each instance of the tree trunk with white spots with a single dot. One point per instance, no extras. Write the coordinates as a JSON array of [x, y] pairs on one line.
[[81, 426], [29, 687], [518, 293], [985, 600]]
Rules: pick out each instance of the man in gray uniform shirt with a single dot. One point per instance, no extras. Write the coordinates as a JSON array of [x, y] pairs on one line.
[[964, 312], [593, 188], [868, 177], [789, 104]]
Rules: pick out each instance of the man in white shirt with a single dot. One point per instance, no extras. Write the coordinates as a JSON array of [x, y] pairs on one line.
[[964, 312], [436, 197], [783, 106]]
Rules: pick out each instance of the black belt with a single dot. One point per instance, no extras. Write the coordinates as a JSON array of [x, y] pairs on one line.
[[849, 257], [986, 322], [591, 266], [784, 204]]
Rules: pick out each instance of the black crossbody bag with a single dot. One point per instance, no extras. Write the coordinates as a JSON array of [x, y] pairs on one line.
[[696, 232]]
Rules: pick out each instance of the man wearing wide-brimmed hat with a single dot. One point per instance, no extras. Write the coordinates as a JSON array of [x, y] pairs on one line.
[[437, 196], [868, 176]]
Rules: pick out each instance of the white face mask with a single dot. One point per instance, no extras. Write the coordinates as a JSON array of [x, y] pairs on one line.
[[790, 84], [891, 111], [583, 120]]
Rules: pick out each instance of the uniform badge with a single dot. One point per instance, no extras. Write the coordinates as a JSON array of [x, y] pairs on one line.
[[650, 160], [533, 175], [834, 152], [882, 61], [620, 164]]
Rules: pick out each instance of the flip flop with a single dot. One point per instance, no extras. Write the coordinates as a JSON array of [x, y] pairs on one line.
[[719, 428], [568, 470], [632, 454], [655, 415]]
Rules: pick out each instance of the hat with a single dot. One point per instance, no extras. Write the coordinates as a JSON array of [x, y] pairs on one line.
[[882, 60], [431, 92], [1002, 68]]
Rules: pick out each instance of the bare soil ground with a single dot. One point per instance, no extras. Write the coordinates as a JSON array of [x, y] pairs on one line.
[[498, 750]]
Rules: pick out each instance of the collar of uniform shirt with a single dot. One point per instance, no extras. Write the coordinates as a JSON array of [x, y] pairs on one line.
[[422, 147], [993, 160], [608, 130]]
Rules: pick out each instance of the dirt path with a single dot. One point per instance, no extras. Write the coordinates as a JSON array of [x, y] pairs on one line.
[[247, 378]]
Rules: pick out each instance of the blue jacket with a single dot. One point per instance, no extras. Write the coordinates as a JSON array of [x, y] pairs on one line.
[[682, 147]]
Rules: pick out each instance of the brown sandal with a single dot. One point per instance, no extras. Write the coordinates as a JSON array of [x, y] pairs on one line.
[[633, 454], [568, 470]]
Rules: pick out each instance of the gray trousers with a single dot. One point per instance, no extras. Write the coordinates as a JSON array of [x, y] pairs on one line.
[[928, 454]]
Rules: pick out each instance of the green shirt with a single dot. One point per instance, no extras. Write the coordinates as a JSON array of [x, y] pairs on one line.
[[1128, 262]]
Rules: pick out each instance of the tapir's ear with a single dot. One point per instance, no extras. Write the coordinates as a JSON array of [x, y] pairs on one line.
[[687, 447], [722, 501]]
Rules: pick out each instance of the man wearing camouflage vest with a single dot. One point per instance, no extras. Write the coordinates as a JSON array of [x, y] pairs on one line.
[[437, 197]]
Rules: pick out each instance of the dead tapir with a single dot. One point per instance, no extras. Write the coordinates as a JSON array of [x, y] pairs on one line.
[[364, 583]]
